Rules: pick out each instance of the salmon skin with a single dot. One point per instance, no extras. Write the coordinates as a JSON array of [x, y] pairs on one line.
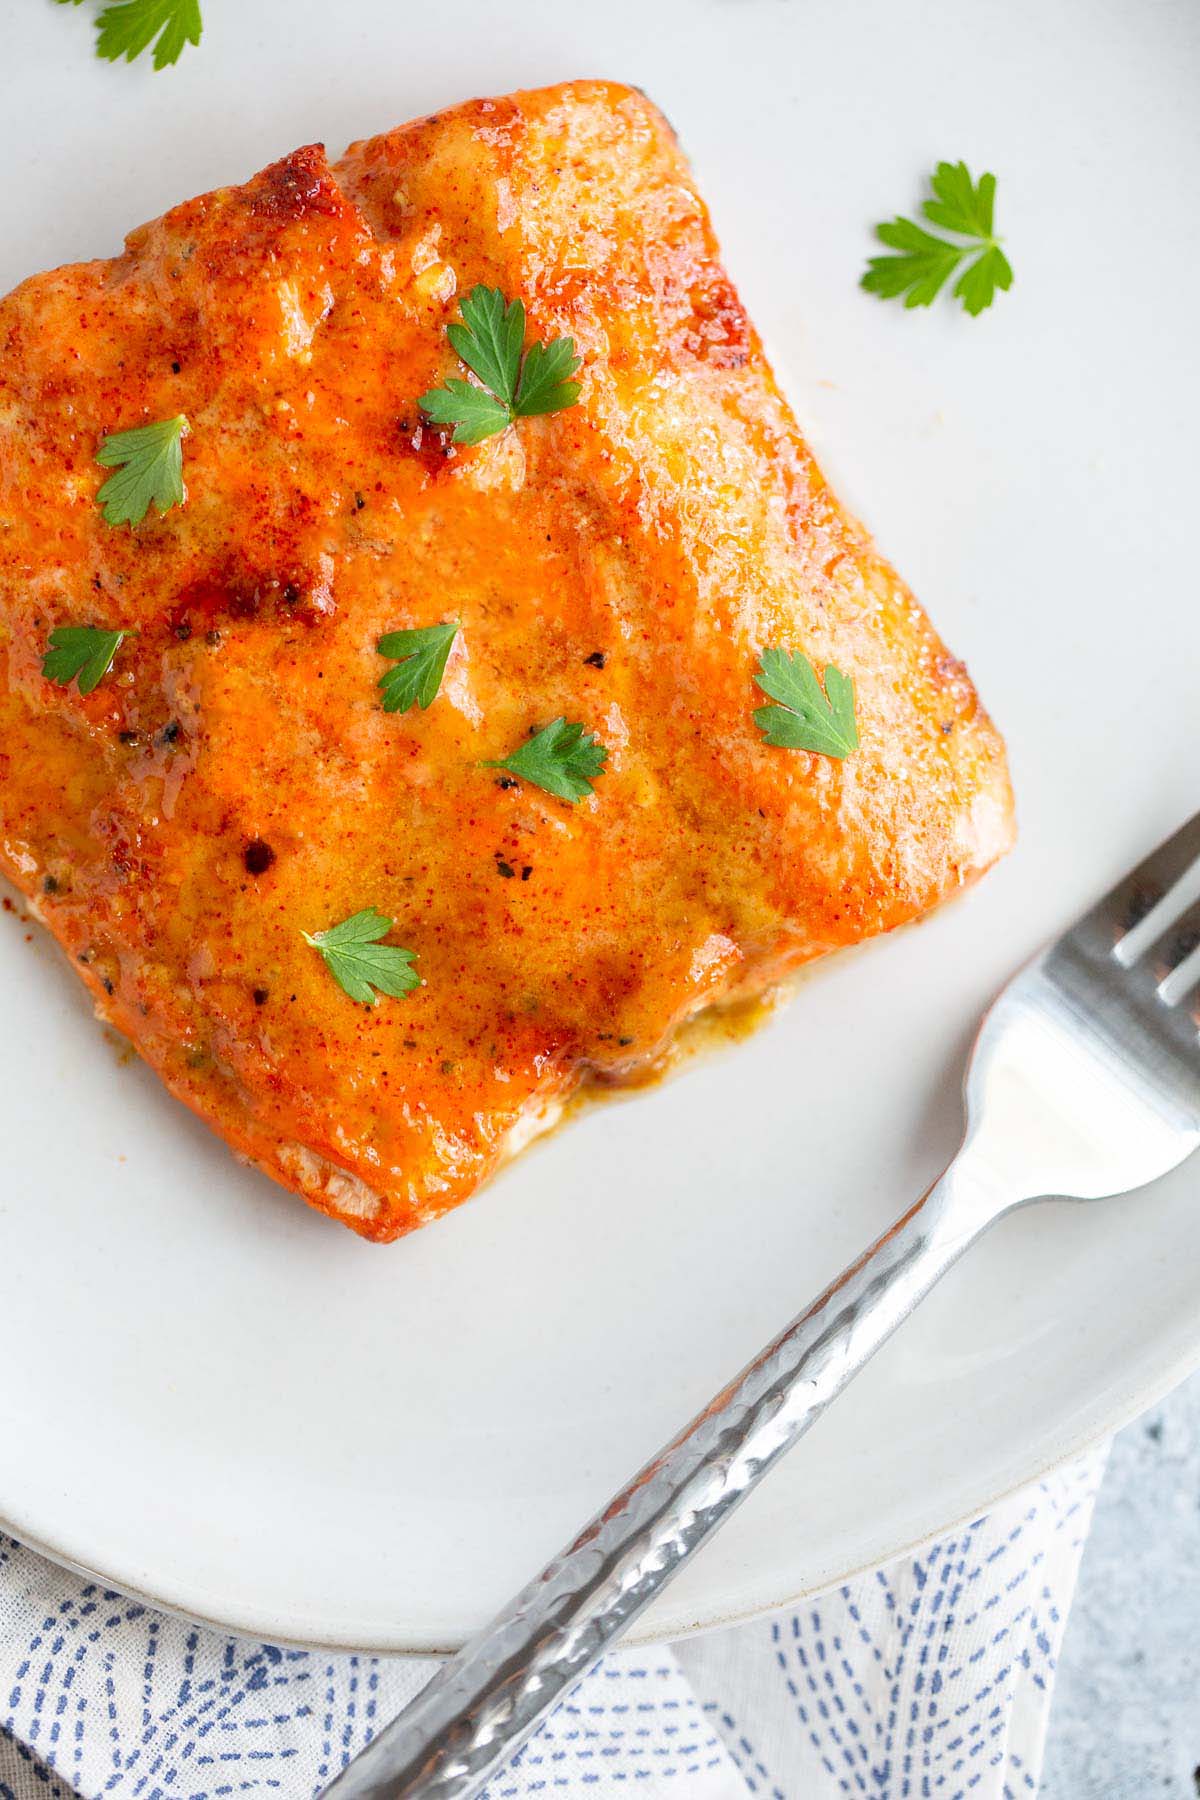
[[234, 782]]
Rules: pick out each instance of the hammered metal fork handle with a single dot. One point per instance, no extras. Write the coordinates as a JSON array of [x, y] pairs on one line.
[[483, 1704]]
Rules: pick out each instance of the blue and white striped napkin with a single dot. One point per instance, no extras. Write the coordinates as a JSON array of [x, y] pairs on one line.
[[932, 1676]]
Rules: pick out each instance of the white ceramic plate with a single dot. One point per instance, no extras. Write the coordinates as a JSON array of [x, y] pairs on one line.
[[214, 1397]]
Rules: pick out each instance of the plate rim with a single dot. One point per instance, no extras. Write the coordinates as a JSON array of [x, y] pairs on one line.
[[260, 1628]]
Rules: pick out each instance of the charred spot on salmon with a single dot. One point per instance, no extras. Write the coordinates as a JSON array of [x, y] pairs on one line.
[[718, 331], [239, 592], [426, 444], [258, 856], [296, 187]]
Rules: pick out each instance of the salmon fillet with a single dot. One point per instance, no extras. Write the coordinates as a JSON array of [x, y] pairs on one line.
[[234, 782]]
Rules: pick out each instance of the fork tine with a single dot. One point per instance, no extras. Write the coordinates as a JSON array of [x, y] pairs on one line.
[[1148, 901], [1184, 975], [1173, 942]]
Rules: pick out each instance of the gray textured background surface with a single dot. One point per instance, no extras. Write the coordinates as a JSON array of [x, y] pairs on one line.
[[1126, 1718]]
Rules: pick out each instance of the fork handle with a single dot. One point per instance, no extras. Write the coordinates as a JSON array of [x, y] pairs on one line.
[[483, 1703]]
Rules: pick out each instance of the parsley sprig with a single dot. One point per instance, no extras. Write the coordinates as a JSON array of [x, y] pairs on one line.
[[562, 759], [127, 27], [420, 655], [359, 963], [923, 263], [81, 652], [149, 461], [805, 718], [490, 341]]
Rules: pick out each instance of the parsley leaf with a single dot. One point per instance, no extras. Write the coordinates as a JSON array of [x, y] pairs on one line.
[[806, 718], [490, 341], [126, 27], [421, 657], [960, 204], [545, 386], [474, 413], [924, 263], [563, 759], [359, 963], [85, 651], [150, 463]]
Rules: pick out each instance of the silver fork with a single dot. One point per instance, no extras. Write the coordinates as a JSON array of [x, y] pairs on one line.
[[1084, 1082]]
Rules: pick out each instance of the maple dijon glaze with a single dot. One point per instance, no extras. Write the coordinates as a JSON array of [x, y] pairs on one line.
[[622, 563]]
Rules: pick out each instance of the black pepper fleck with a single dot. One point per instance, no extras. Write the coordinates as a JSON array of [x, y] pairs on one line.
[[183, 631], [595, 660], [624, 1042], [506, 781], [49, 885], [505, 869], [170, 733], [359, 502], [108, 986], [128, 737], [258, 856], [291, 594], [410, 1043], [447, 1067], [261, 996], [526, 871], [175, 367], [212, 638]]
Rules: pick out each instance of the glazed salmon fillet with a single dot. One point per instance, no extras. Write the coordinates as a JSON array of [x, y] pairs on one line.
[[234, 781]]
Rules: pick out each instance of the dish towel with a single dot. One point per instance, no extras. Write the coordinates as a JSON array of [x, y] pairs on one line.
[[930, 1677]]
